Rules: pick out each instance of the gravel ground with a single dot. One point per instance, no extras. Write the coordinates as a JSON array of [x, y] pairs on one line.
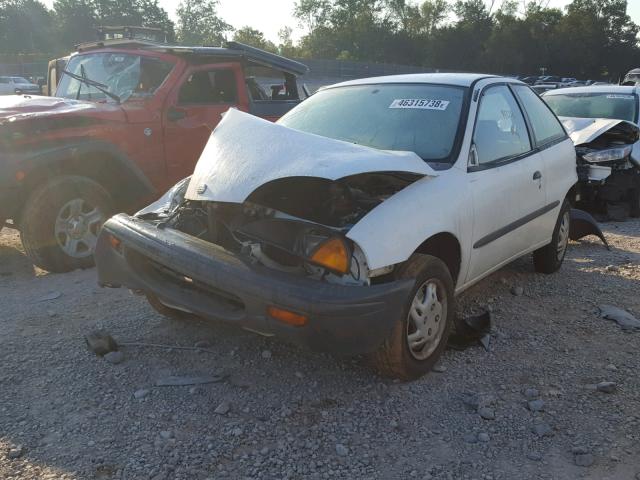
[[527, 409]]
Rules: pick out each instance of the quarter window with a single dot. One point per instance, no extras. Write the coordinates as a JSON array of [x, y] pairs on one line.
[[501, 131], [209, 87], [546, 127]]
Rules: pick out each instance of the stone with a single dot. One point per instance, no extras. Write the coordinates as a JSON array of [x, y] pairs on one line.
[[341, 450], [531, 393], [624, 319], [470, 438], [535, 456], [266, 354], [584, 459], [542, 429], [483, 437], [114, 357], [16, 452], [100, 342], [223, 408], [141, 393], [517, 291], [487, 413], [439, 368], [606, 387], [536, 405], [202, 344], [166, 434]]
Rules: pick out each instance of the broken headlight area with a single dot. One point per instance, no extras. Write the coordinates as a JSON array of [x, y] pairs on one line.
[[166, 205], [275, 240]]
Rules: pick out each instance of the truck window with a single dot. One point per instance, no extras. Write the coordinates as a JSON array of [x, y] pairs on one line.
[[264, 83], [209, 87]]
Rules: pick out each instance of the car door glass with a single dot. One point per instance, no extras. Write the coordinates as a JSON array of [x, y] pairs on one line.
[[209, 87], [545, 125], [500, 131], [4, 80]]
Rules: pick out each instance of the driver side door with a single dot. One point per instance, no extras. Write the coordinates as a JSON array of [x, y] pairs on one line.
[[506, 179], [194, 109]]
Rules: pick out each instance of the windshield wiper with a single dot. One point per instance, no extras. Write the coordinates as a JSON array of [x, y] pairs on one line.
[[97, 85]]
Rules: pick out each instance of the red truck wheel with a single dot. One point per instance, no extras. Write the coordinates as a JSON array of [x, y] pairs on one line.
[[61, 221]]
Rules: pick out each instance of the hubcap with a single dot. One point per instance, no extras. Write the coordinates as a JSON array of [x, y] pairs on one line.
[[426, 321], [563, 235], [77, 227]]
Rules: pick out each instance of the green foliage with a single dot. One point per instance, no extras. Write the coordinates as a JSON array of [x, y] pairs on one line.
[[255, 38], [199, 23]]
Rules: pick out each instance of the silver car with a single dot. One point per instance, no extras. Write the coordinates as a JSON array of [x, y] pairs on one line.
[[10, 85]]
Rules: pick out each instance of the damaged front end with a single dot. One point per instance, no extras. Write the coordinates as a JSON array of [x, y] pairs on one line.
[[294, 224], [608, 164]]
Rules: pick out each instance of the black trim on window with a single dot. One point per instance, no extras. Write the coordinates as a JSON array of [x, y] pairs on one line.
[[505, 160], [492, 237], [550, 142]]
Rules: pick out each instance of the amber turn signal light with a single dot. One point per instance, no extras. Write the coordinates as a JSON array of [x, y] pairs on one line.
[[285, 316], [332, 254], [115, 242]]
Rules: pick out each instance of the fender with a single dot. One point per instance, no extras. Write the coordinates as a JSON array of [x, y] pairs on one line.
[[116, 169], [377, 232]]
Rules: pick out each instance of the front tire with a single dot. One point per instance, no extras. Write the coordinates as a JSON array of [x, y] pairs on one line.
[[61, 221], [422, 329], [549, 258]]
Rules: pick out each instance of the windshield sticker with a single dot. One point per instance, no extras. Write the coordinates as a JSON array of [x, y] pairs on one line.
[[623, 97], [422, 103]]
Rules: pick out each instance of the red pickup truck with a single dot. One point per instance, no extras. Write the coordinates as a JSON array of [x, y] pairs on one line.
[[129, 119]]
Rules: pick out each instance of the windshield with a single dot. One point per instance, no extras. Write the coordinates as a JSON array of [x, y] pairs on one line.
[[417, 118], [594, 105], [122, 74]]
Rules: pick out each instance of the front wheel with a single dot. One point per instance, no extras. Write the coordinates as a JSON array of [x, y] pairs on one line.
[[549, 258], [60, 223], [420, 334]]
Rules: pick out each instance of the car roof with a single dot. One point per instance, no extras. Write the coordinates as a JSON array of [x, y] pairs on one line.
[[230, 50], [621, 89], [456, 79]]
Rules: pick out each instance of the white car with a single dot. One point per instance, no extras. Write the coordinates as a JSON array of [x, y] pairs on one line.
[[602, 121], [351, 223], [13, 85]]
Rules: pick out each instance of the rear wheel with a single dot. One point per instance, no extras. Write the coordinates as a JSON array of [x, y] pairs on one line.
[[549, 258], [421, 332], [61, 221], [634, 202]]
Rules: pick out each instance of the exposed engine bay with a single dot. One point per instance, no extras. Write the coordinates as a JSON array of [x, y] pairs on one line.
[[608, 164], [286, 222]]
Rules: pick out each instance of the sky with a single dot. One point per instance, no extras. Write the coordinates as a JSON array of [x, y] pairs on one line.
[[269, 16]]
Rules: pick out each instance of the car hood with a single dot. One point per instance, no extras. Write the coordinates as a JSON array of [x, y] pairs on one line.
[[15, 107], [586, 130], [245, 152]]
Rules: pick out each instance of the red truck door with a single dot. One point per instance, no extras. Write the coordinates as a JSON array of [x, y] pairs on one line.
[[194, 108]]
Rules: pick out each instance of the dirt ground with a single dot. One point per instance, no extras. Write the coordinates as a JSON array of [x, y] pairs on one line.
[[278, 412]]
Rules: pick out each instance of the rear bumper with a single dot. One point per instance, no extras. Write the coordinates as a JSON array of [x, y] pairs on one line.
[[222, 286]]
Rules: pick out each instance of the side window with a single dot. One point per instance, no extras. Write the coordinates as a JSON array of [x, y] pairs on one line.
[[4, 80], [546, 126], [209, 87], [500, 131]]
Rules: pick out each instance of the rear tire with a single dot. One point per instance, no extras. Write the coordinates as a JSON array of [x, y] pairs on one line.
[[61, 221], [634, 203], [549, 258], [403, 355]]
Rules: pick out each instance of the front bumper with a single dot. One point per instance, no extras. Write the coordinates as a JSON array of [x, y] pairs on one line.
[[203, 278]]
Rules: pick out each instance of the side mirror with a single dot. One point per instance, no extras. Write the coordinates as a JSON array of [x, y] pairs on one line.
[[473, 156]]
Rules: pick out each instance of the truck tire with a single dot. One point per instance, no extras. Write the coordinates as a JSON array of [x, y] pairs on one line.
[[422, 329], [549, 258], [61, 221]]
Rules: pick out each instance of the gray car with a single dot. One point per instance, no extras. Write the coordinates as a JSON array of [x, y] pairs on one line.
[[10, 85]]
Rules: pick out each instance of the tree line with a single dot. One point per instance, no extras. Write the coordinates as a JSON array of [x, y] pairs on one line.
[[588, 39]]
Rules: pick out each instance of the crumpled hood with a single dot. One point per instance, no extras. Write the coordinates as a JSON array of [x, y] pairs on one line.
[[27, 106], [585, 130], [245, 152]]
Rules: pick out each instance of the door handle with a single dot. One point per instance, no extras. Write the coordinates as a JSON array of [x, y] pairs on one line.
[[175, 114], [537, 175]]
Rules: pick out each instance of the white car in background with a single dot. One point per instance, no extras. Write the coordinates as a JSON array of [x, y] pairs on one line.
[[13, 85], [602, 121], [351, 223]]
